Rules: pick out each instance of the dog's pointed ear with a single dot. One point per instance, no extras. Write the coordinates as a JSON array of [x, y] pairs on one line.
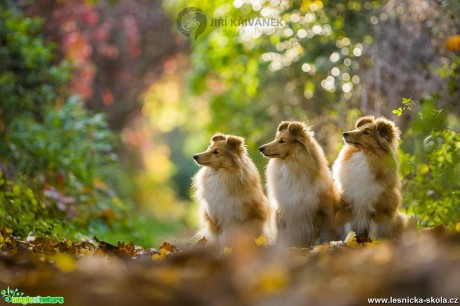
[[296, 128], [283, 125], [364, 120], [217, 137], [235, 142], [387, 130]]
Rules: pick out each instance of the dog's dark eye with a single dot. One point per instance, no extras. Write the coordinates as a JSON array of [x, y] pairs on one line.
[[281, 141], [366, 133], [215, 152]]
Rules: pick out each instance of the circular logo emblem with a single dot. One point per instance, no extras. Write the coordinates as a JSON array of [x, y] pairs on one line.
[[191, 22]]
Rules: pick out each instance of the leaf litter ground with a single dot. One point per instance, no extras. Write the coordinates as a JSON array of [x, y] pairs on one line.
[[94, 272]]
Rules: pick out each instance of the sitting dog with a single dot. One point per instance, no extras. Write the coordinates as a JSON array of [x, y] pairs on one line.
[[367, 176], [300, 186], [229, 191]]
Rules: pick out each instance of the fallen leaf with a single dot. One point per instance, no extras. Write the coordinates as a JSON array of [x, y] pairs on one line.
[[64, 262], [350, 240], [228, 251], [261, 241], [160, 256], [273, 280], [169, 247]]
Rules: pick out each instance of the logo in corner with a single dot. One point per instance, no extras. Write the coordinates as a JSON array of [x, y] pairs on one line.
[[9, 294], [191, 22], [14, 296]]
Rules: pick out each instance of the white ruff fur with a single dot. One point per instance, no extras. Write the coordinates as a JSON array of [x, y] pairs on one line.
[[358, 185], [297, 198]]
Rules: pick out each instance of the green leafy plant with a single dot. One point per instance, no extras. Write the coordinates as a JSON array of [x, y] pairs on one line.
[[23, 211], [56, 158], [69, 146], [67, 158], [430, 167], [29, 79], [407, 105]]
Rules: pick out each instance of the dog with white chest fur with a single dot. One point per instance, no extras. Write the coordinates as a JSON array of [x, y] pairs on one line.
[[367, 176], [230, 194], [300, 186]]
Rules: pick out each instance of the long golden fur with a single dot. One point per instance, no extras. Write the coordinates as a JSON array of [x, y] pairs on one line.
[[229, 191], [367, 175], [300, 186]]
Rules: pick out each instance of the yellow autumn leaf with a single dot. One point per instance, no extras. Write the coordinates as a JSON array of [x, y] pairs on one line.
[[453, 43], [261, 241], [160, 256], [87, 252], [169, 275], [228, 251], [320, 248], [424, 169], [350, 240], [64, 262], [273, 280], [98, 183], [457, 227], [373, 241]]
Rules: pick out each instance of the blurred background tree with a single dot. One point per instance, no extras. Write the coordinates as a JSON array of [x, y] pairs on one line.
[[49, 143], [60, 62], [126, 174]]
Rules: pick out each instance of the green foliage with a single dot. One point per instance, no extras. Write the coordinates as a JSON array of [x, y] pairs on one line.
[[407, 105], [23, 211], [68, 145], [65, 161], [450, 72], [55, 156], [430, 167], [29, 83], [28, 78], [305, 69], [144, 230]]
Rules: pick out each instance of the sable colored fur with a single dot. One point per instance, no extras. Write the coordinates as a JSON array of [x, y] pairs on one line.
[[229, 191], [300, 186], [367, 175]]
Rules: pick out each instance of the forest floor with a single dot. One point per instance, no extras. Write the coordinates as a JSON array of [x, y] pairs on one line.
[[422, 265]]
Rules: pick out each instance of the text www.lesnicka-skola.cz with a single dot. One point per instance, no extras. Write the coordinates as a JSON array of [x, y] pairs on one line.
[[413, 300]]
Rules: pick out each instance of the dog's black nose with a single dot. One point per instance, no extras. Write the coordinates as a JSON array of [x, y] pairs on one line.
[[195, 157], [346, 134], [262, 148]]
